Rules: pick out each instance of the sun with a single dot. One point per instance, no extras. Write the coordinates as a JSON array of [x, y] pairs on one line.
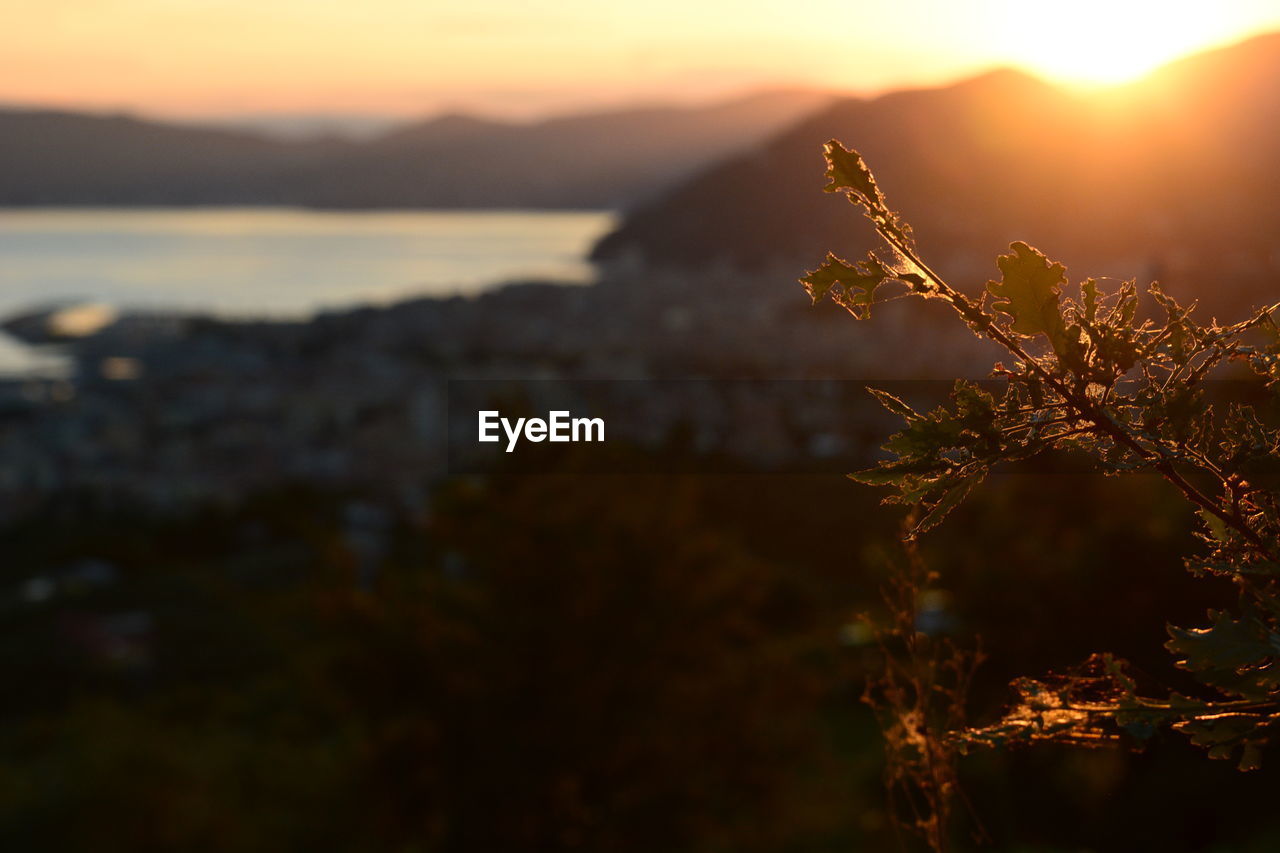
[[1100, 42]]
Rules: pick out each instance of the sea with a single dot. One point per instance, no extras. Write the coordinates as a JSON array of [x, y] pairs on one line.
[[272, 262]]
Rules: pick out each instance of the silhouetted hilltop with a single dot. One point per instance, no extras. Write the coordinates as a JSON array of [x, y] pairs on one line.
[[1172, 177], [982, 143], [1240, 75], [50, 157], [588, 161]]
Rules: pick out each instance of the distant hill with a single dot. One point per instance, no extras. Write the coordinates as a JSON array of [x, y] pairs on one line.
[[67, 158], [1173, 177], [587, 161]]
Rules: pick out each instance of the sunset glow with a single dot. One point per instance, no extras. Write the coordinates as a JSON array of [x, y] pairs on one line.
[[1103, 41], [398, 57]]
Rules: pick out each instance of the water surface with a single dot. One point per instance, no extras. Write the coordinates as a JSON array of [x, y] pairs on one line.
[[255, 262]]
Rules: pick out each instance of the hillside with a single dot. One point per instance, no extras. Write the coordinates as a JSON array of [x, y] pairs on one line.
[[51, 157], [1170, 177], [585, 161]]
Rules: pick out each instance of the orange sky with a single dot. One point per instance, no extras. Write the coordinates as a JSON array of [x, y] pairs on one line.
[[526, 57]]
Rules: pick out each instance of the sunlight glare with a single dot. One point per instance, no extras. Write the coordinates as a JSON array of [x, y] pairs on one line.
[[1099, 42]]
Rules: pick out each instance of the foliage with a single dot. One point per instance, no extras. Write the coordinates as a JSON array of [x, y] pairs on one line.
[[543, 663], [1092, 375]]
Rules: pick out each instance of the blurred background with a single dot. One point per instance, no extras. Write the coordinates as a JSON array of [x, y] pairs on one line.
[[246, 603]]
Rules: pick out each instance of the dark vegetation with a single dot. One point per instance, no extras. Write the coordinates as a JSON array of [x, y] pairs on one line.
[[593, 663]]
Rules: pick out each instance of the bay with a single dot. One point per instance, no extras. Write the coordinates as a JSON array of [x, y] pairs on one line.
[[276, 262]]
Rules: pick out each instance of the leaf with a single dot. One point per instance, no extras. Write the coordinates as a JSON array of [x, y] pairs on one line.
[[851, 286], [1089, 291], [1250, 757], [1217, 527], [1227, 644], [950, 499], [1223, 734], [929, 436], [849, 174], [893, 404], [1028, 292], [1127, 306], [940, 456]]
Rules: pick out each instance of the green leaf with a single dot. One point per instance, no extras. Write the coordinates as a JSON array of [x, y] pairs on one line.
[[1028, 292]]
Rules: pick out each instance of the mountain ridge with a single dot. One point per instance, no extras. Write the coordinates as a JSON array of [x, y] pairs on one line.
[[596, 160], [1170, 178]]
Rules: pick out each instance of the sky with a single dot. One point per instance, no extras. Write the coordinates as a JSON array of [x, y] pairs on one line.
[[525, 58]]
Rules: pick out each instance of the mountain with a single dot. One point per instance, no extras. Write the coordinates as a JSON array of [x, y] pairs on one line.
[[307, 126], [51, 157], [982, 143], [586, 161], [598, 160], [1171, 177]]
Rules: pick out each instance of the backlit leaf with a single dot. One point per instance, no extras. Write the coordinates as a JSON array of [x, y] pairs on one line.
[[1028, 291], [851, 286], [1227, 644], [849, 174]]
